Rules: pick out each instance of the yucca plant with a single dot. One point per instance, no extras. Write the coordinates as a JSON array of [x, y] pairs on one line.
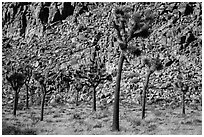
[[93, 73], [183, 87], [16, 79], [41, 79], [28, 73], [152, 66], [44, 80], [128, 26]]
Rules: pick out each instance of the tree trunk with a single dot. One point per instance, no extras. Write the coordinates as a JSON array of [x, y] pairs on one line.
[[39, 97], [31, 97], [77, 97], [15, 103], [94, 99], [67, 88], [78, 89], [42, 102], [117, 94], [27, 88], [144, 94], [183, 103]]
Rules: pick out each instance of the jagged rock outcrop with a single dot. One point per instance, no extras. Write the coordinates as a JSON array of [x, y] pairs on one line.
[[176, 36], [20, 19]]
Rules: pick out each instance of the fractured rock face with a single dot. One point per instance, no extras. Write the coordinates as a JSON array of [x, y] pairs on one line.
[[186, 9], [44, 14], [66, 9], [54, 14], [18, 18]]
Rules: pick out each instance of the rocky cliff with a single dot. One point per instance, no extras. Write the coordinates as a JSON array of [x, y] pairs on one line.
[[50, 34]]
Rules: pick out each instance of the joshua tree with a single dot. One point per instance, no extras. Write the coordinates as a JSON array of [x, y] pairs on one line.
[[28, 74], [78, 85], [125, 33], [183, 87], [152, 65], [16, 80], [44, 80], [64, 79], [94, 72]]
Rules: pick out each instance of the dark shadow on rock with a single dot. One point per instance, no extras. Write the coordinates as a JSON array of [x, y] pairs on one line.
[[67, 10]]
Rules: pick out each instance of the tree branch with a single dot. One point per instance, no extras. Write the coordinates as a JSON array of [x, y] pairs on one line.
[[118, 30]]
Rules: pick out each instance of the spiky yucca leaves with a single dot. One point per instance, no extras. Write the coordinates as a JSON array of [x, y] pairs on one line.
[[16, 80], [141, 25], [135, 51], [153, 64], [39, 77]]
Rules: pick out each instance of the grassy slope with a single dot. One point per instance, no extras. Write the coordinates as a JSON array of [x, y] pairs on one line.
[[67, 119]]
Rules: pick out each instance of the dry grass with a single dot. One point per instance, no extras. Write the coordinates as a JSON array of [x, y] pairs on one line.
[[65, 120]]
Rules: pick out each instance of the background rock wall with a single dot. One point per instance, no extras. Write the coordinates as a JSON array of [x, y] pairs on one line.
[[63, 28]]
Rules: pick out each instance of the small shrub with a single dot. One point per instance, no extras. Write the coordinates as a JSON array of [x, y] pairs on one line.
[[136, 122], [56, 115]]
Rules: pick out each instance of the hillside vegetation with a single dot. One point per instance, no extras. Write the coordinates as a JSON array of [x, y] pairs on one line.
[[60, 61]]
